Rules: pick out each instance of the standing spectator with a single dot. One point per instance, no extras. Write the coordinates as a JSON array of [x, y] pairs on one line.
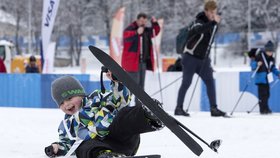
[[2, 66], [195, 58], [265, 63], [32, 66], [137, 56]]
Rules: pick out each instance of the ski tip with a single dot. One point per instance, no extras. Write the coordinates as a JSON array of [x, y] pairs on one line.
[[91, 47]]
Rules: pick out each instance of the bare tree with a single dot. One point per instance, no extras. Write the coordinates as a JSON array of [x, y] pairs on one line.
[[78, 18], [19, 10], [266, 15]]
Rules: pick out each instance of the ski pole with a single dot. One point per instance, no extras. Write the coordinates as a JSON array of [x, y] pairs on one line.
[[258, 102], [243, 91], [73, 148], [253, 108], [207, 54], [214, 145], [166, 86], [157, 56], [77, 143]]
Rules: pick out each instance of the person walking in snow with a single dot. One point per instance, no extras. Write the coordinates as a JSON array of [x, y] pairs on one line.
[[265, 64], [138, 56], [105, 122], [195, 58]]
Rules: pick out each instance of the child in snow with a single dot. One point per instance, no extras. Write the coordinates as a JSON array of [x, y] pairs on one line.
[[108, 126], [265, 63]]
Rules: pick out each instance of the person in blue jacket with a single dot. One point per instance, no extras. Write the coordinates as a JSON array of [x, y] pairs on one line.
[[265, 64]]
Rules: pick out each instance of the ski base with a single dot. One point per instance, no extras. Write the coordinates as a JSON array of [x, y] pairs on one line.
[[143, 156]]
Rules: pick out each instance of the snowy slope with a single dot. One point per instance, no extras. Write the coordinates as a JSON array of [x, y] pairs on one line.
[[25, 133]]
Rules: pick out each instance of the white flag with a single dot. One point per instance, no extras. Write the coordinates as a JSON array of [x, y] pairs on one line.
[[49, 58], [49, 13]]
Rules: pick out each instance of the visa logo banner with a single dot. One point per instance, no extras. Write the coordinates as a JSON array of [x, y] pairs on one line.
[[49, 13], [48, 17]]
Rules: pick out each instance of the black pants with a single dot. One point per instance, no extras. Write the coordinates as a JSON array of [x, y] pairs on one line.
[[139, 77], [124, 136], [263, 92], [192, 65]]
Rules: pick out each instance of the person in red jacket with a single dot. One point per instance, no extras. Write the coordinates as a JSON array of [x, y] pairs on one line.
[[137, 56], [2, 66]]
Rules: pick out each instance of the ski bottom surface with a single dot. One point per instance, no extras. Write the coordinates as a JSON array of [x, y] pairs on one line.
[[143, 156]]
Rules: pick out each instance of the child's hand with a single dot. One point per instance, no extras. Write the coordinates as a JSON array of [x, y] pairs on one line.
[[111, 77], [51, 150], [259, 63]]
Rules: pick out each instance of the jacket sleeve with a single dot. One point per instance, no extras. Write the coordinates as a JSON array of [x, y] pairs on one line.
[[121, 95], [130, 34], [98, 113], [156, 27], [253, 65], [275, 70], [199, 27], [64, 142]]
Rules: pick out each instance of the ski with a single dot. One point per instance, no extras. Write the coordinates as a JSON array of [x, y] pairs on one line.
[[143, 156], [168, 120]]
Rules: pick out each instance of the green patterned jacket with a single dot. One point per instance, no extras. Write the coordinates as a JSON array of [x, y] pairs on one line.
[[93, 119]]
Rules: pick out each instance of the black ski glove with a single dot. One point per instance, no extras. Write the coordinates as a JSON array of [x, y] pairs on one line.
[[49, 151]]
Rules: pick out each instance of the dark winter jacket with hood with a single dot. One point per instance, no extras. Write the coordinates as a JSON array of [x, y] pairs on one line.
[[199, 36]]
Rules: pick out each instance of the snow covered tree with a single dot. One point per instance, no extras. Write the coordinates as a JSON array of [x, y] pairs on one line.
[[19, 9]]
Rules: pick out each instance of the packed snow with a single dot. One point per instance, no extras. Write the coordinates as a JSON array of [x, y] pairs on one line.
[[26, 131]]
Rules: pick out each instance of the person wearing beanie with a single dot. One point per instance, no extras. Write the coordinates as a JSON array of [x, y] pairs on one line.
[[103, 120], [265, 64], [32, 66]]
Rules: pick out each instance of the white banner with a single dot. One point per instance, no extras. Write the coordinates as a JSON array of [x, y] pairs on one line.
[[116, 37], [49, 13], [49, 58]]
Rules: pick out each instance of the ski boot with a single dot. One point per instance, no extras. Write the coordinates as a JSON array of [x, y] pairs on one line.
[[181, 112], [215, 112], [155, 122]]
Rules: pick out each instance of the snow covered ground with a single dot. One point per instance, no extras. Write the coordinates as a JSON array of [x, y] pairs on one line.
[[25, 132]]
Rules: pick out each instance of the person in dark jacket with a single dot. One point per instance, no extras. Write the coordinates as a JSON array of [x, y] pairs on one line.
[[32, 66], [195, 58], [137, 55], [265, 64]]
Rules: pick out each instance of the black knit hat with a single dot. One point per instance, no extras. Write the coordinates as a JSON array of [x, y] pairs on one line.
[[32, 58], [269, 46], [66, 87]]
